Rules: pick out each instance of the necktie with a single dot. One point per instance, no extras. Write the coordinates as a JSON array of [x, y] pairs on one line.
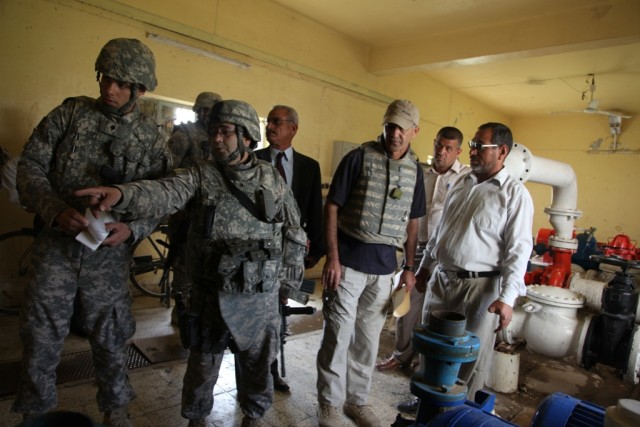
[[279, 165]]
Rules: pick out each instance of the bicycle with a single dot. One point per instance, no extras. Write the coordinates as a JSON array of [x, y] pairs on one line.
[[149, 270]]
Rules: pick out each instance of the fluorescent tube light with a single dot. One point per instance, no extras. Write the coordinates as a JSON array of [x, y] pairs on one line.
[[197, 51]]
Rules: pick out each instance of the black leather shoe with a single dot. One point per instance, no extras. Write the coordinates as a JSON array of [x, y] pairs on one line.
[[280, 385], [410, 406]]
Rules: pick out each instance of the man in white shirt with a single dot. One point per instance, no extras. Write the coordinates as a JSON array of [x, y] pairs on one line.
[[479, 251], [443, 174]]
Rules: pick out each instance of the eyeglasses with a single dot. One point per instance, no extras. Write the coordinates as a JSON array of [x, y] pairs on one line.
[[391, 127], [478, 145], [276, 121], [223, 130]]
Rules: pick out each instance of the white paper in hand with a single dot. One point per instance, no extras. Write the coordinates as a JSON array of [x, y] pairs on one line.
[[95, 233]]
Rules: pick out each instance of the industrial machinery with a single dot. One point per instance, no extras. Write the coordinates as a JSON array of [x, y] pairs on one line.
[[560, 245], [445, 345], [551, 320], [551, 324], [613, 337], [525, 166]]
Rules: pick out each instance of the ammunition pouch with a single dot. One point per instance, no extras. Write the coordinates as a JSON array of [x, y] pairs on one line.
[[249, 267], [295, 249], [189, 331], [295, 246], [187, 323]]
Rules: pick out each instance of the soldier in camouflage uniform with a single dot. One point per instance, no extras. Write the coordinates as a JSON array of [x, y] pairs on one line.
[[83, 142], [189, 143], [244, 241]]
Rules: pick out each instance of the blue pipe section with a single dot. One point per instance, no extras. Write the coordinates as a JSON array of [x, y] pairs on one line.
[[445, 345]]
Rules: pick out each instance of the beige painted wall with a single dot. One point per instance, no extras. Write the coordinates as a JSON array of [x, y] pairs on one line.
[[608, 193], [49, 49]]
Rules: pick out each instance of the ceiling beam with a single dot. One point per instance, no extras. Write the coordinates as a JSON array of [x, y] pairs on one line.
[[612, 23]]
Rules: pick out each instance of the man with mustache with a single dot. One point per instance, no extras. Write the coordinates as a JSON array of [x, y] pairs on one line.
[[302, 175], [478, 254], [372, 210], [245, 248], [443, 174]]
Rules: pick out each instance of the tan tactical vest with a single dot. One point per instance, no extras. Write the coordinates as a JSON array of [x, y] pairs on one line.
[[380, 202]]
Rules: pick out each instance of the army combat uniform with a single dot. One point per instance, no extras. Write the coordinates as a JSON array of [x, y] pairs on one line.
[[237, 263], [189, 144], [66, 152]]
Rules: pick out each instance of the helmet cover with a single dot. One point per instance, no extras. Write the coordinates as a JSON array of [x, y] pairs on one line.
[[206, 100], [238, 113], [128, 60]]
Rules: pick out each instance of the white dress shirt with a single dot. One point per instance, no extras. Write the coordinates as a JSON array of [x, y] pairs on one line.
[[486, 226], [436, 187]]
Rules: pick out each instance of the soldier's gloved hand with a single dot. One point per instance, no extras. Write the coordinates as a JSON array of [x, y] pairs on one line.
[[118, 233], [71, 221]]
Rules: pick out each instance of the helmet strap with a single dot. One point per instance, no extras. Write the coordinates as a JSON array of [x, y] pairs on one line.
[[135, 89], [126, 107], [238, 152]]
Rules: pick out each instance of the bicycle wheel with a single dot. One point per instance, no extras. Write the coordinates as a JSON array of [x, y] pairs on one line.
[[15, 252], [149, 270]]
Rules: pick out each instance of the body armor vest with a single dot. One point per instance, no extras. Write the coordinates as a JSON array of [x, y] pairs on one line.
[[241, 253], [93, 142], [380, 203]]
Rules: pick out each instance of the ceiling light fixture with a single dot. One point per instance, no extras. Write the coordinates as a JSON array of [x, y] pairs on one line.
[[197, 51]]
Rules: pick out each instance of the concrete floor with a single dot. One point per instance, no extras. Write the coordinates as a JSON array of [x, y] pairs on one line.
[[159, 385]]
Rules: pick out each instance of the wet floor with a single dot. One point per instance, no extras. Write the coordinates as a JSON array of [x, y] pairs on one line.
[[158, 385]]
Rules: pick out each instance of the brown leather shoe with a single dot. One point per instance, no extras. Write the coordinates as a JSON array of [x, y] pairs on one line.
[[388, 364]]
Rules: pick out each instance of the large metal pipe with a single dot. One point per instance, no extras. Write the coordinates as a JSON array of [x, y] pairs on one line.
[[563, 213]]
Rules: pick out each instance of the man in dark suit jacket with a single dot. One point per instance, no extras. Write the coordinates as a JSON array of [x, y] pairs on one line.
[[302, 174]]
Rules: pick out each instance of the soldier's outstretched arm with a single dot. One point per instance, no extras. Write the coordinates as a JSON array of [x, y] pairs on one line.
[[100, 198]]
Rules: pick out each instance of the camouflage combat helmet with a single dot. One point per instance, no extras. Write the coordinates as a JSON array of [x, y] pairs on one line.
[[247, 124], [206, 100], [240, 114], [128, 60]]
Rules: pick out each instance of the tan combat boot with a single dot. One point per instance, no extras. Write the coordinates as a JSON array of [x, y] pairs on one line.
[[328, 416]]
